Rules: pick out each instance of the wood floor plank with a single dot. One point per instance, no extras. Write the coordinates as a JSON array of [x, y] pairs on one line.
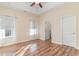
[[55, 50], [52, 49], [66, 53], [72, 52], [41, 50], [38, 48], [61, 51]]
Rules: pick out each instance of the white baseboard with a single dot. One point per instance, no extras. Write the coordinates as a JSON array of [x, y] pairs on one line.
[[77, 48], [56, 42]]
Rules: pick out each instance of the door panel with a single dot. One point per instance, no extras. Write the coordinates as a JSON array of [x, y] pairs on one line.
[[69, 30]]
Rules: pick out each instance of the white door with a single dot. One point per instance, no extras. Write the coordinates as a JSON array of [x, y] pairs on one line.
[[69, 30]]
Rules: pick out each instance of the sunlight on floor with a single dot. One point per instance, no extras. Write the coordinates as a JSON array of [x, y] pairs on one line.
[[30, 48]]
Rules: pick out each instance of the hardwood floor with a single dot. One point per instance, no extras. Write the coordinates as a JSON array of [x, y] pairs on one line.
[[38, 48]]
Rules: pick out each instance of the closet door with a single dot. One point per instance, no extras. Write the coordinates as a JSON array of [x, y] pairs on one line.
[[69, 30]]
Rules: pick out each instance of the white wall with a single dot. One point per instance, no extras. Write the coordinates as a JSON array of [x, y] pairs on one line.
[[22, 22]]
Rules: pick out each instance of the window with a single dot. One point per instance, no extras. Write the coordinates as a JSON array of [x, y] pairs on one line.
[[33, 28], [7, 27]]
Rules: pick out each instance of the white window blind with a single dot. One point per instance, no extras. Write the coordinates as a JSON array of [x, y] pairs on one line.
[[7, 27]]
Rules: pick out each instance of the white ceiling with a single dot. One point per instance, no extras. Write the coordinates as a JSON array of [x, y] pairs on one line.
[[25, 6]]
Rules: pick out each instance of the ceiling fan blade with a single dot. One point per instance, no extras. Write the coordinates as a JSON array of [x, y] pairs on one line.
[[40, 5], [32, 4]]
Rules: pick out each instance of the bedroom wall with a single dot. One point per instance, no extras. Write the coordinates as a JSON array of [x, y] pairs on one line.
[[54, 16], [22, 22]]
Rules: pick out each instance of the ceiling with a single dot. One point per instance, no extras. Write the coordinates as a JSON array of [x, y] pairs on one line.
[[25, 6]]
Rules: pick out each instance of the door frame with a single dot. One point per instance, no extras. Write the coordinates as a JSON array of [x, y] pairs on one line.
[[49, 23]]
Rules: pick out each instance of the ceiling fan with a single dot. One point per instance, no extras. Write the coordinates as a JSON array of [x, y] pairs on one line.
[[36, 3]]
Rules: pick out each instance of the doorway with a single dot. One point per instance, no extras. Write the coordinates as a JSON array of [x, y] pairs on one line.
[[47, 31]]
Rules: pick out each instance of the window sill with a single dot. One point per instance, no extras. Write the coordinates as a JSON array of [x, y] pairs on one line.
[[8, 37]]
